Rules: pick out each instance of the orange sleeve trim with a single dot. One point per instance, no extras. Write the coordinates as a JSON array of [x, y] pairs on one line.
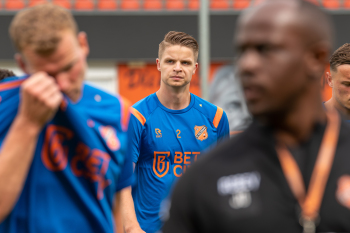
[[217, 117], [125, 113], [10, 85], [138, 115]]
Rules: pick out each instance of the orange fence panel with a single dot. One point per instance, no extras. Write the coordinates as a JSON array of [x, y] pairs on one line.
[[137, 82]]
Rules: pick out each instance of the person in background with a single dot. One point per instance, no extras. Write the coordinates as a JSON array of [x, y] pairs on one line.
[[4, 73], [339, 80], [170, 129], [226, 91]]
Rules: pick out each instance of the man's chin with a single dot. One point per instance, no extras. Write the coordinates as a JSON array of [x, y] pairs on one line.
[[176, 84]]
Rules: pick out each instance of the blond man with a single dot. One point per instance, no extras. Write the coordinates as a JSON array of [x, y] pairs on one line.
[[170, 129], [51, 180]]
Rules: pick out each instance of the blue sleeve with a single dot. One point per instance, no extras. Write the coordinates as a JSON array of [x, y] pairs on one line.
[[223, 128], [126, 175], [134, 136]]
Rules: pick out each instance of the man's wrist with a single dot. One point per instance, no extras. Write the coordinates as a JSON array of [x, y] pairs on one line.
[[132, 227], [24, 124]]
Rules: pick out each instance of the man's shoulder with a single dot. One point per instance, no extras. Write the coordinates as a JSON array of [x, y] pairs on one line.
[[92, 94], [144, 108], [206, 108], [102, 106]]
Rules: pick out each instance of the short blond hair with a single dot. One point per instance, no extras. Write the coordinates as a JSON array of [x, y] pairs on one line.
[[179, 38], [40, 28]]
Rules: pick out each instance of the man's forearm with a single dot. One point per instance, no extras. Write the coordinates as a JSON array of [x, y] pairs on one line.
[[16, 155], [128, 212]]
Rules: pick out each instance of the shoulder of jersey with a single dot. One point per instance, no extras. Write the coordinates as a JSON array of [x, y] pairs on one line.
[[94, 97], [144, 108], [107, 108], [213, 112]]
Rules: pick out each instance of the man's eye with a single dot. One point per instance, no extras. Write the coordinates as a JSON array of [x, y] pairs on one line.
[[169, 61], [346, 84]]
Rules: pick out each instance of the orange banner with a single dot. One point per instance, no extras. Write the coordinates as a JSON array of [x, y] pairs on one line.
[[138, 81]]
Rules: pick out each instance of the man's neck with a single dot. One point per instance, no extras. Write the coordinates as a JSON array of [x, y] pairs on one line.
[[296, 125], [174, 98], [333, 103]]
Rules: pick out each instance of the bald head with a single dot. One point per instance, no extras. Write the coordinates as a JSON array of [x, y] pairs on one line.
[[307, 20], [283, 46]]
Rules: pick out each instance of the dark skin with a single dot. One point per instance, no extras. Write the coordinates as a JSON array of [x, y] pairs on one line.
[[280, 64]]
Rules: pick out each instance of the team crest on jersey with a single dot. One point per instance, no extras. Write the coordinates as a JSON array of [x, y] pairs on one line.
[[343, 191], [158, 133], [109, 135], [201, 132]]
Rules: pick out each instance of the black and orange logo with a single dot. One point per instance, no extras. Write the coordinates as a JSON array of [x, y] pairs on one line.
[[201, 132]]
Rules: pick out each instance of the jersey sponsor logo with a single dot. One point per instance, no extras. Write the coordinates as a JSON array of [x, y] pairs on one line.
[[90, 164], [158, 133], [110, 136], [182, 160], [54, 153], [343, 191], [239, 186], [161, 163], [201, 132]]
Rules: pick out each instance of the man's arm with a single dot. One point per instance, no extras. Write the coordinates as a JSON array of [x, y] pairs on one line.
[[130, 222], [129, 218], [118, 215], [40, 99]]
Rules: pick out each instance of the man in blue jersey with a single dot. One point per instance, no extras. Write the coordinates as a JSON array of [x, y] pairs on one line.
[[51, 180], [170, 129], [339, 80]]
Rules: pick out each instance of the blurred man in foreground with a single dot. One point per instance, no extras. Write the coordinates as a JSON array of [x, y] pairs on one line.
[[339, 80], [61, 163], [170, 129], [289, 171]]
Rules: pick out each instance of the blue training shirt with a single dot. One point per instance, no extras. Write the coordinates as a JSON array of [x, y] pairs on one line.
[[79, 164], [165, 143]]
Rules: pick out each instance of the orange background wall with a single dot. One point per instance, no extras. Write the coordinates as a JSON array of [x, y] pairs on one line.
[[139, 81]]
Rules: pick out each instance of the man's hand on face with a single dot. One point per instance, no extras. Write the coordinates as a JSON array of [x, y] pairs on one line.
[[40, 99]]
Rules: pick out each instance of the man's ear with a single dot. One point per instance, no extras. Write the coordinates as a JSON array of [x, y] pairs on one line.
[[21, 63], [158, 64], [316, 59], [83, 42], [195, 68], [329, 79]]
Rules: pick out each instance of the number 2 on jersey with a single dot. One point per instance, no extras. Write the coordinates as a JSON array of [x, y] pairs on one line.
[[178, 133]]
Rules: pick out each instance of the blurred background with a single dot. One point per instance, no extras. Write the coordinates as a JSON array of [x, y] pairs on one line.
[[124, 36]]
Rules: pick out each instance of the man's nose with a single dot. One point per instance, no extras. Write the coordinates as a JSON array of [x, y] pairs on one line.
[[177, 67], [248, 63]]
